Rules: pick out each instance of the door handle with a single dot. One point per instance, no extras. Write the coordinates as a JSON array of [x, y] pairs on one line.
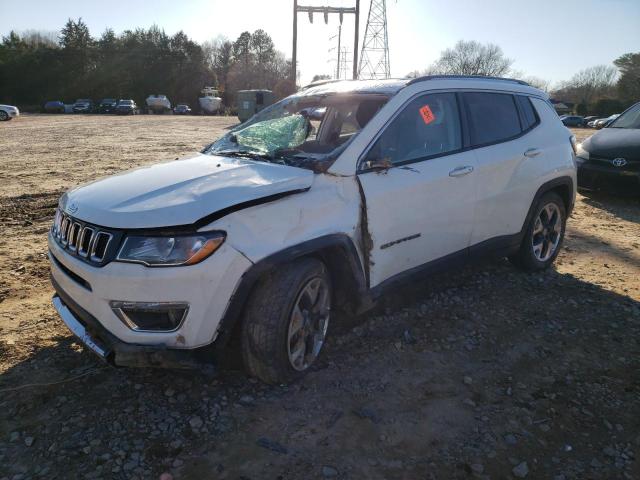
[[532, 152], [460, 171]]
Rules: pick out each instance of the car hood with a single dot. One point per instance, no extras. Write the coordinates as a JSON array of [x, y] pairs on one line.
[[614, 142], [180, 192]]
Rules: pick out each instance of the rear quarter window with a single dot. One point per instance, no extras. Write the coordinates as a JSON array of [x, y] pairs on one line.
[[528, 114], [492, 117]]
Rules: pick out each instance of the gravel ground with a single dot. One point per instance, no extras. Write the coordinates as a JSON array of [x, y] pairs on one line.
[[485, 372]]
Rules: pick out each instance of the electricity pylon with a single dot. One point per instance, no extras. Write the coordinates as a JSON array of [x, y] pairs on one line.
[[374, 59]]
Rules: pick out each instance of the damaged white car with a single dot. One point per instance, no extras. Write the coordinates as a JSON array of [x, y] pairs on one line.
[[315, 205]]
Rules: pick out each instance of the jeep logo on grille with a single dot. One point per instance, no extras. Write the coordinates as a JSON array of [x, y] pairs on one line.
[[73, 208], [619, 162]]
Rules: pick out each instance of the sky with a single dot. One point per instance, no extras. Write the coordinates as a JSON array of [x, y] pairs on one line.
[[550, 39]]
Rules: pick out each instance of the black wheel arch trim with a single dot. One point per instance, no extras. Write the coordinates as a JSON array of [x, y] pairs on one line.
[[317, 246], [564, 181]]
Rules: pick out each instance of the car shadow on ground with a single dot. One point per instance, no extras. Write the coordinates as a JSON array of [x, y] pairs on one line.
[[625, 207], [545, 337]]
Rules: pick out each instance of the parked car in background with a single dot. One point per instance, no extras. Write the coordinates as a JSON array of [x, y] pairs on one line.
[[610, 159], [83, 105], [158, 104], [603, 122], [53, 106], [8, 112], [589, 119], [126, 107], [275, 226], [182, 109], [572, 121], [107, 105]]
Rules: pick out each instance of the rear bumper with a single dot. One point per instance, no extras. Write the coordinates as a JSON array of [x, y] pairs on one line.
[[593, 177], [116, 352]]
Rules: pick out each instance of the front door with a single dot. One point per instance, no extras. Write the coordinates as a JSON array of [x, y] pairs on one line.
[[421, 208]]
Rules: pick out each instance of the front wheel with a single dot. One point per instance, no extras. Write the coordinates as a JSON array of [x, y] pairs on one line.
[[4, 116], [543, 237], [285, 322]]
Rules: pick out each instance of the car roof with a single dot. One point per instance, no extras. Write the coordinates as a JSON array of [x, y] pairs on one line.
[[392, 86]]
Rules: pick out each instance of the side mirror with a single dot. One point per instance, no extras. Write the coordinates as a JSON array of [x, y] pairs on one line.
[[378, 164]]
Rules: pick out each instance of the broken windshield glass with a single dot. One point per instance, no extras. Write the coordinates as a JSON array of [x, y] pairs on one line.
[[305, 131], [270, 136]]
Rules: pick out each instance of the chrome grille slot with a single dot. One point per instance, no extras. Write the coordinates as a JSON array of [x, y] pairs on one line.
[[100, 245], [64, 231], [74, 234], [86, 239]]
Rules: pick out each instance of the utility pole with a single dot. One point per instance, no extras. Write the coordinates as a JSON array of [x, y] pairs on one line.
[[294, 67], [341, 11], [338, 65]]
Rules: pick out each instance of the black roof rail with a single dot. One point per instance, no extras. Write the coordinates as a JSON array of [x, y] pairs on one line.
[[321, 82], [465, 77]]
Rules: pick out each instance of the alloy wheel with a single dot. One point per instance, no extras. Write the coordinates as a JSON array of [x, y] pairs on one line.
[[547, 231], [308, 323]]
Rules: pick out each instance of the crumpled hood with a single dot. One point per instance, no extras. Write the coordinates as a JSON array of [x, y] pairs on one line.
[[180, 192], [614, 142]]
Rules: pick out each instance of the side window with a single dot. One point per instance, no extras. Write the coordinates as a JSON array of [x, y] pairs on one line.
[[492, 117], [529, 116], [428, 126]]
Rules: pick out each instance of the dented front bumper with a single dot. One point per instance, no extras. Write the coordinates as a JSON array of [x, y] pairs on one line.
[[114, 351]]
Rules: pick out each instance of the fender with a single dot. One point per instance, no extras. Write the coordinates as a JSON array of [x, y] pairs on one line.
[[564, 181], [325, 247]]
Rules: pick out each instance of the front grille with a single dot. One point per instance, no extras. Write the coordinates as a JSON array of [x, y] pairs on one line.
[[632, 165], [90, 243]]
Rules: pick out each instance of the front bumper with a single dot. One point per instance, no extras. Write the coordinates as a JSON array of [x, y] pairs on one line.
[[596, 177], [206, 287], [112, 350]]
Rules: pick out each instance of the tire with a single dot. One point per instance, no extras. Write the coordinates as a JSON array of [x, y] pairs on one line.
[[270, 328], [4, 116], [544, 235]]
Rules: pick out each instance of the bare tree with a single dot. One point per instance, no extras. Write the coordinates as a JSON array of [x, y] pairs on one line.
[[472, 58], [589, 85], [536, 82]]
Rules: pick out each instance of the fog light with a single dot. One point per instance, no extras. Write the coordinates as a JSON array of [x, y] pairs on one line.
[[152, 316]]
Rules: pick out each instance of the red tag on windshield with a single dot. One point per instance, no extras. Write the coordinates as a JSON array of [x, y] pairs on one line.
[[427, 115]]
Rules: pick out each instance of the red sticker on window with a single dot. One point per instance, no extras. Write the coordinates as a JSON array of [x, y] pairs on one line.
[[427, 115]]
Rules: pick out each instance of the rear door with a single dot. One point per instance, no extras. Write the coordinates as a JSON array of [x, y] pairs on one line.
[[502, 129], [420, 208]]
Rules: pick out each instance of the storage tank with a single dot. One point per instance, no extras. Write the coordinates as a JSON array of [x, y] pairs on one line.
[[251, 102]]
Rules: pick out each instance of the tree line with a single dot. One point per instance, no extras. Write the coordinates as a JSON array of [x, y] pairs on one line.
[[38, 66]]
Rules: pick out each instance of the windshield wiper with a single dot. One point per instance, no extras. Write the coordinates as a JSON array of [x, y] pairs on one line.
[[244, 154]]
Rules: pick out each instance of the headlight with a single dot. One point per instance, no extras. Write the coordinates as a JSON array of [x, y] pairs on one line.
[[170, 250], [581, 153]]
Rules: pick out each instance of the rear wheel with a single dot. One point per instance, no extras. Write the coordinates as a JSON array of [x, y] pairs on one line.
[[285, 322], [543, 237]]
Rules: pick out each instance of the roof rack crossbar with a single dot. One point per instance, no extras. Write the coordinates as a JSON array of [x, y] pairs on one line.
[[464, 77]]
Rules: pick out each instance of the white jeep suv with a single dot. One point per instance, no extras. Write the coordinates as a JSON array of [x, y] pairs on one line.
[[318, 203]]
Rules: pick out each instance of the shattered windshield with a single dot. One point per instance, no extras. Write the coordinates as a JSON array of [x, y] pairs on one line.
[[306, 131]]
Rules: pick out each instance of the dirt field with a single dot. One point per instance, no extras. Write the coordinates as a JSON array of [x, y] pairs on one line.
[[481, 373]]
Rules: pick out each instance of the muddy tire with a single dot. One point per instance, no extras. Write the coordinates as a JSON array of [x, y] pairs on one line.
[[4, 116], [544, 235], [285, 321]]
